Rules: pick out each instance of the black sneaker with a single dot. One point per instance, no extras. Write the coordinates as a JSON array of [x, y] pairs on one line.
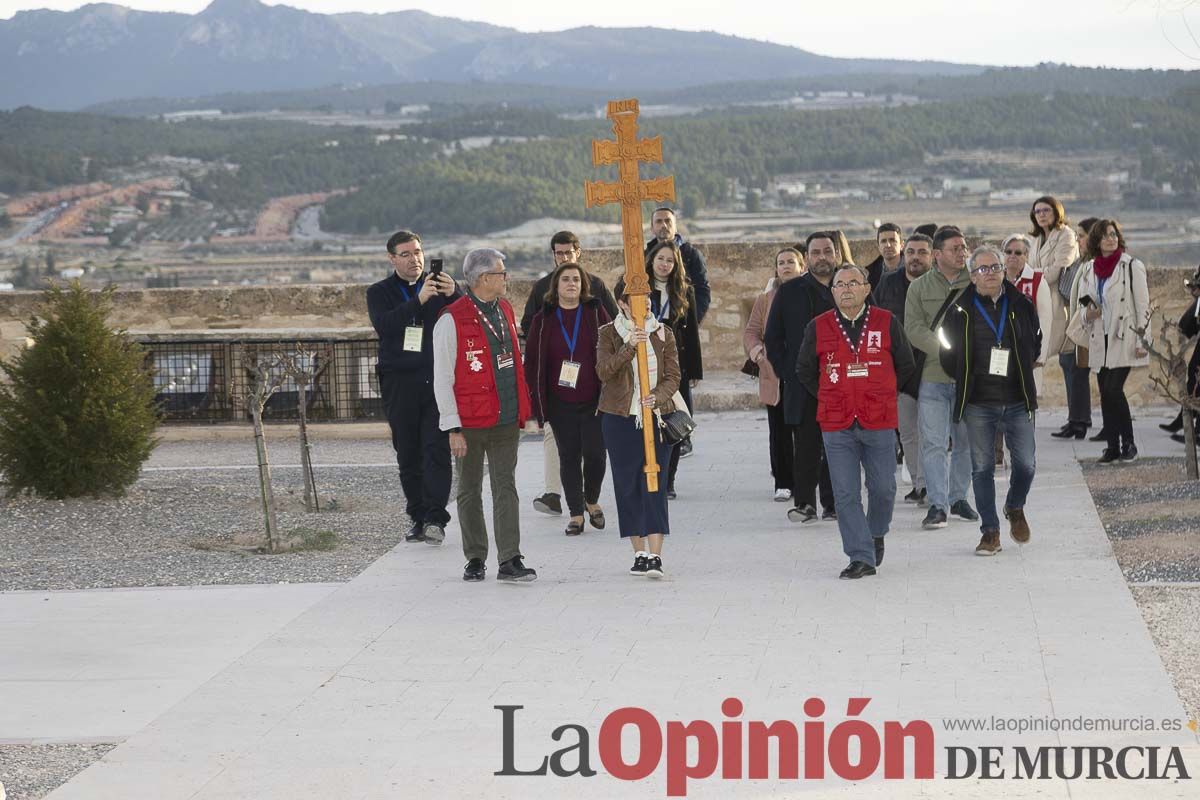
[[829, 515], [640, 564], [685, 448], [916, 497], [1109, 456], [804, 513], [514, 570], [1129, 452], [654, 567], [416, 533], [962, 509], [936, 518], [879, 551], [1099, 436], [474, 570], [856, 570], [671, 493], [549, 503]]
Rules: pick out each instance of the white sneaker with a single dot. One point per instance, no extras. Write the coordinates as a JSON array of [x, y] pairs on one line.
[[783, 495]]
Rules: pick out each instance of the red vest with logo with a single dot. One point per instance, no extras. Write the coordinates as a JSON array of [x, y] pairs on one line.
[[844, 393], [474, 378], [1029, 286]]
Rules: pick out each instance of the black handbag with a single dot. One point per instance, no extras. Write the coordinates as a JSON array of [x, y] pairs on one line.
[[750, 368], [677, 426]]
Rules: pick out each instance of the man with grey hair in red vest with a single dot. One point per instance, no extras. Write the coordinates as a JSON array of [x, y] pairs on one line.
[[852, 359], [483, 402]]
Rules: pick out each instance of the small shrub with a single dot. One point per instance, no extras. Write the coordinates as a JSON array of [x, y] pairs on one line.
[[77, 413]]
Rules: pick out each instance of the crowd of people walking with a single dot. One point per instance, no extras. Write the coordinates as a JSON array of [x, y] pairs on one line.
[[931, 355]]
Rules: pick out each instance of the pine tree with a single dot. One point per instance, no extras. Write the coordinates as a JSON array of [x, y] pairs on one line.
[[77, 414]]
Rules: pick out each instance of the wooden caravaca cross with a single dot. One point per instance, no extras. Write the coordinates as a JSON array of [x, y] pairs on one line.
[[630, 191]]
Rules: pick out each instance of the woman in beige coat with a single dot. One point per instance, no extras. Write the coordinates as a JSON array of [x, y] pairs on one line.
[[1055, 248], [789, 263], [1113, 287]]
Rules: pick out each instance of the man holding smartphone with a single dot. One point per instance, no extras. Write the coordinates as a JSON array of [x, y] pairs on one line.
[[403, 308]]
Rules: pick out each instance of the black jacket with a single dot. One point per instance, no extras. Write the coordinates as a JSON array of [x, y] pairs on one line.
[[797, 303], [890, 294], [391, 314], [687, 336], [1189, 324], [955, 330], [537, 298], [697, 272]]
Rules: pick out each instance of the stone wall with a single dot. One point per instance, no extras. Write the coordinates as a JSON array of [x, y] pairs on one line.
[[737, 273]]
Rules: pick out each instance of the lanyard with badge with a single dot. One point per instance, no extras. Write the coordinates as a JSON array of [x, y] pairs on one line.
[[998, 364], [664, 307], [568, 374], [859, 368], [504, 359], [413, 334]]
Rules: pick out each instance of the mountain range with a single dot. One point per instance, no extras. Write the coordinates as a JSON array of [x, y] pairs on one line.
[[102, 52]]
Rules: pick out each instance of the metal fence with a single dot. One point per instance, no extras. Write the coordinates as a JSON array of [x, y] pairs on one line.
[[209, 380]]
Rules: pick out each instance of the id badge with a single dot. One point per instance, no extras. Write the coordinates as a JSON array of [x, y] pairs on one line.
[[413, 336], [999, 362], [569, 374], [856, 370], [504, 361]]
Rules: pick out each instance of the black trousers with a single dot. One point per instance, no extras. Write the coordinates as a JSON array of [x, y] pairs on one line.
[[780, 436], [808, 459], [1079, 390], [1114, 406], [685, 389], [578, 437], [422, 450]]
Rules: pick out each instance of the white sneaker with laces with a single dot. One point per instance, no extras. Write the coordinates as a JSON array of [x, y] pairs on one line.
[[783, 495]]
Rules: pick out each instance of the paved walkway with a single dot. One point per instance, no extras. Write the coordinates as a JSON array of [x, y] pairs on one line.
[[385, 687]]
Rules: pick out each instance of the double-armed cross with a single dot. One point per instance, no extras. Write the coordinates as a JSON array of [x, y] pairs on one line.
[[626, 152]]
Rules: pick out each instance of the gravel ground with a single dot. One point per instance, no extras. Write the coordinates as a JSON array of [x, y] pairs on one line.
[[1173, 616], [1151, 513], [29, 772], [148, 537]]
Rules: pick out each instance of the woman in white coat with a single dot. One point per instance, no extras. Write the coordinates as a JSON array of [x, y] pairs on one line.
[[1055, 248], [1117, 314]]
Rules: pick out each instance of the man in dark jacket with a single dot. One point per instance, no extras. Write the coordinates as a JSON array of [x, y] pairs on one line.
[[1189, 326], [564, 245], [665, 228], [403, 308], [891, 294], [991, 338], [797, 303], [889, 240]]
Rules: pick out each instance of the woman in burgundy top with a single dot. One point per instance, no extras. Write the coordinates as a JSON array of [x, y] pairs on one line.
[[560, 368]]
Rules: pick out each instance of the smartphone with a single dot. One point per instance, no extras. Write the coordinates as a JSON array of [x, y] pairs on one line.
[[435, 266]]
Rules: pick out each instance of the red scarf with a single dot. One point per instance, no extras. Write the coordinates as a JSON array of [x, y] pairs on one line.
[[1103, 266]]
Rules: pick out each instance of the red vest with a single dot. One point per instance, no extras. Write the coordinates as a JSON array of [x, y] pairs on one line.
[[843, 398], [1029, 287], [475, 389]]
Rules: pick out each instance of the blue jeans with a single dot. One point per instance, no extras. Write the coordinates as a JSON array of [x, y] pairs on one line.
[[947, 475], [1015, 422], [849, 452]]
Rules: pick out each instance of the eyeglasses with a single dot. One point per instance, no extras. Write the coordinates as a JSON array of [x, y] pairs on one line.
[[848, 284], [1043, 210], [1014, 252], [987, 268], [502, 273], [1111, 235]]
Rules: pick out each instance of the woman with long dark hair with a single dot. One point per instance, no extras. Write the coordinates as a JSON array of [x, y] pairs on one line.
[[1113, 288], [673, 303], [560, 370]]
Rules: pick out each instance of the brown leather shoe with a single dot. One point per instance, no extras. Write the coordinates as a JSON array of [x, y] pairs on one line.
[[1018, 527], [989, 544]]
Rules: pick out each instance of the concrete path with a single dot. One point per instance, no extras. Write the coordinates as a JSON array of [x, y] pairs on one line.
[[100, 665], [386, 687]]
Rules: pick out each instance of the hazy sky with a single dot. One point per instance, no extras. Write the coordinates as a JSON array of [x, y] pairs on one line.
[[1117, 33]]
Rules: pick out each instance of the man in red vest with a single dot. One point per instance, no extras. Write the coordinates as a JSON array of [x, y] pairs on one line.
[[852, 359], [483, 402]]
